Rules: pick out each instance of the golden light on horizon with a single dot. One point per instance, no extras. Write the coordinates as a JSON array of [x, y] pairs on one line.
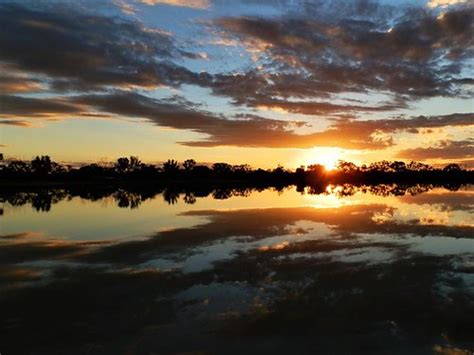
[[330, 162], [327, 157]]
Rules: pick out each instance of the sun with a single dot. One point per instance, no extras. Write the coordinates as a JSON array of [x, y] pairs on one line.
[[327, 157], [329, 162]]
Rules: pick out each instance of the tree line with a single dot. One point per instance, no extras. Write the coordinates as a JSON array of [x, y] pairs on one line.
[[43, 168], [133, 197]]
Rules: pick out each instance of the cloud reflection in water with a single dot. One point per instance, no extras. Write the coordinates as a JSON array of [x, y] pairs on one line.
[[276, 275]]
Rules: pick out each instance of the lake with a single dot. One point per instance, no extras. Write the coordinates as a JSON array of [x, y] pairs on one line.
[[383, 269]]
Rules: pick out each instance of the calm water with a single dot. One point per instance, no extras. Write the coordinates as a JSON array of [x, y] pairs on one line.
[[348, 270]]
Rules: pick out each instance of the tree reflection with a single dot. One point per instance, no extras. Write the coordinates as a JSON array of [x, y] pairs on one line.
[[132, 197], [222, 194], [40, 200], [346, 190], [171, 196], [189, 198], [127, 199]]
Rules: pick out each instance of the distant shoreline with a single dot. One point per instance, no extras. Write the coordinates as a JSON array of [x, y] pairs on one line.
[[291, 179], [42, 172]]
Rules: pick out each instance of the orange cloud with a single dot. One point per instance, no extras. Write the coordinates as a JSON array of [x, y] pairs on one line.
[[444, 150]]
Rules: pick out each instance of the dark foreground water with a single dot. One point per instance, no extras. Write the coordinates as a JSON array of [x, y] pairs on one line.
[[382, 270]]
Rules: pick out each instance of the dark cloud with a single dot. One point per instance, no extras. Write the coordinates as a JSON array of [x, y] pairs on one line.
[[243, 130], [19, 107], [412, 57], [76, 50], [251, 131], [17, 123], [257, 131], [443, 150], [322, 108], [13, 84], [307, 60]]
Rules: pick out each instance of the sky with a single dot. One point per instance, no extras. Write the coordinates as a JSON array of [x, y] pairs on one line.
[[260, 82]]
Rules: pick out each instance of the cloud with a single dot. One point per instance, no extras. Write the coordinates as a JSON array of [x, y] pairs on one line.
[[80, 51], [20, 107], [257, 131], [444, 3], [417, 56], [13, 82], [307, 63], [321, 108], [296, 94], [178, 113], [443, 150], [369, 134], [416, 37], [242, 130], [17, 123], [195, 4]]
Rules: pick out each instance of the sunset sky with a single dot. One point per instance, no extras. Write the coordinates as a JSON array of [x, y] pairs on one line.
[[263, 82]]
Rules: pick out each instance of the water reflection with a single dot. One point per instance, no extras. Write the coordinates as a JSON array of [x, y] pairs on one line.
[[384, 269], [132, 197]]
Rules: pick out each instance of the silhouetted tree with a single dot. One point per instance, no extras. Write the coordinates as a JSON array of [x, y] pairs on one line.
[[134, 163], [301, 175], [171, 166], [315, 177], [41, 165], [452, 168], [346, 167], [241, 169], [383, 166], [398, 166], [149, 170], [222, 168], [122, 164], [189, 164], [132, 169], [315, 167], [201, 171], [18, 167], [416, 166]]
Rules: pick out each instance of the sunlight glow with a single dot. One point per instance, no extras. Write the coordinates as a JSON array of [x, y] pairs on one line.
[[328, 159]]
